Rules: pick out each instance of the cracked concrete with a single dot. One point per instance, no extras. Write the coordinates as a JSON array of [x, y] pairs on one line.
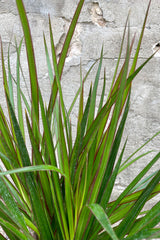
[[101, 23]]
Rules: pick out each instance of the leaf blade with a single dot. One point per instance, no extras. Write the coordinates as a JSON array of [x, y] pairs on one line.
[[101, 216]]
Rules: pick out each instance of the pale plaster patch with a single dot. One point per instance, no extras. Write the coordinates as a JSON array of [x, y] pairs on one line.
[[75, 46], [97, 15]]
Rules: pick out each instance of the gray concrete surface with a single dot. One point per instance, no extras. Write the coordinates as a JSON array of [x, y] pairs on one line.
[[101, 22]]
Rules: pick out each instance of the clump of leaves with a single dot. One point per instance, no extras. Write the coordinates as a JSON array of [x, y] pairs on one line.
[[62, 190]]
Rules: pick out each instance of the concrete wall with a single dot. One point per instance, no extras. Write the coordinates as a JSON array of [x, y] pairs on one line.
[[101, 22]]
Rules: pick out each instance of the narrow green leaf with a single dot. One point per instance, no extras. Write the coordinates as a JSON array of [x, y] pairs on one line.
[[57, 78], [19, 102], [94, 93], [47, 132], [144, 182], [134, 196], [112, 130], [19, 137], [133, 75], [63, 56], [149, 221], [20, 194], [56, 127], [126, 225], [10, 84], [66, 169], [15, 231], [39, 160], [140, 148], [103, 92], [12, 207], [31, 65], [110, 173], [31, 226], [147, 234], [101, 216], [78, 91], [112, 159], [140, 41], [81, 103], [54, 59], [38, 209], [132, 70], [122, 168], [119, 57], [33, 169], [4, 71], [52, 158], [79, 139], [51, 77], [133, 183]]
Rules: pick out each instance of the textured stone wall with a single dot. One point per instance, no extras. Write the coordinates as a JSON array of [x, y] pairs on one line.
[[101, 22]]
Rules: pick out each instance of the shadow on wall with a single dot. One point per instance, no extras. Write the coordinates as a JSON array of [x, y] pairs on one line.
[[156, 48]]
